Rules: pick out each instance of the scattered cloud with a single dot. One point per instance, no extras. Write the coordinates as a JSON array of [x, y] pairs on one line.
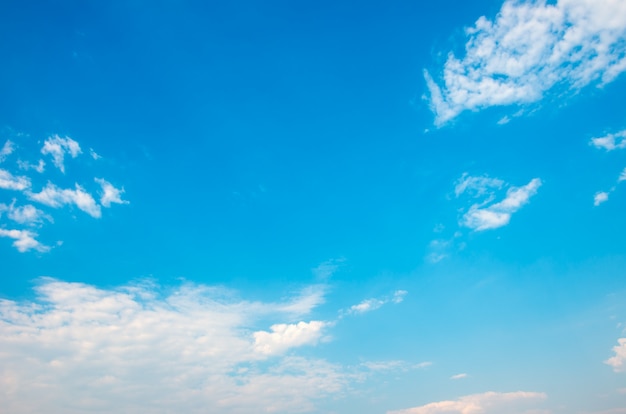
[[39, 167], [9, 181], [24, 240], [57, 147], [326, 269], [600, 197], [618, 362], [458, 376], [487, 215], [6, 150], [53, 196], [477, 186], [528, 49], [141, 348], [488, 403], [372, 304], [26, 214], [610, 142], [622, 176], [110, 194], [285, 336], [94, 154]]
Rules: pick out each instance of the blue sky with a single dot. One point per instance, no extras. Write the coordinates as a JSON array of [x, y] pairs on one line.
[[327, 207]]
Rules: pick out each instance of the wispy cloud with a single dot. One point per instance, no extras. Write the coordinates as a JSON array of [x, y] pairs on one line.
[[600, 197], [57, 147], [372, 304], [25, 165], [110, 194], [6, 150], [24, 240], [610, 142], [477, 186], [529, 48], [56, 197], [486, 214], [458, 376], [139, 348], [26, 214], [9, 181], [488, 403], [618, 361]]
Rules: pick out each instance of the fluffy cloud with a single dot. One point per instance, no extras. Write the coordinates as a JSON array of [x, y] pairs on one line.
[[610, 142], [529, 48], [53, 196], [618, 362], [26, 214], [138, 348], [487, 215], [110, 194], [600, 197], [57, 147], [285, 336], [24, 240], [488, 403], [6, 150], [9, 181]]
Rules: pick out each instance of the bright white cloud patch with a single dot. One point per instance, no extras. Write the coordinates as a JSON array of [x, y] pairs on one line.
[[618, 362], [78, 348], [458, 376], [53, 196], [26, 214], [600, 197], [372, 304], [285, 336], [9, 181], [24, 240], [529, 48], [57, 147], [610, 142], [622, 176], [486, 214], [487, 403], [6, 150], [110, 194]]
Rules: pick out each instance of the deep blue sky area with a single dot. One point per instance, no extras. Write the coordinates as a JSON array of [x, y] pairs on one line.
[[384, 207]]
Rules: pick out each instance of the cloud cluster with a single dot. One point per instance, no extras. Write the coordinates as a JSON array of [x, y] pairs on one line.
[[488, 214], [609, 142], [21, 219], [529, 48], [140, 348], [487, 403], [618, 362]]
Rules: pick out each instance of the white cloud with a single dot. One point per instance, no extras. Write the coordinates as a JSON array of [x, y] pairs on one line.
[[9, 181], [110, 194], [622, 176], [367, 305], [25, 165], [491, 216], [458, 376], [57, 147], [94, 154], [529, 48], [476, 186], [26, 214], [24, 240], [394, 365], [372, 304], [610, 142], [77, 348], [600, 197], [285, 336], [618, 362], [488, 403], [56, 197], [6, 150]]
